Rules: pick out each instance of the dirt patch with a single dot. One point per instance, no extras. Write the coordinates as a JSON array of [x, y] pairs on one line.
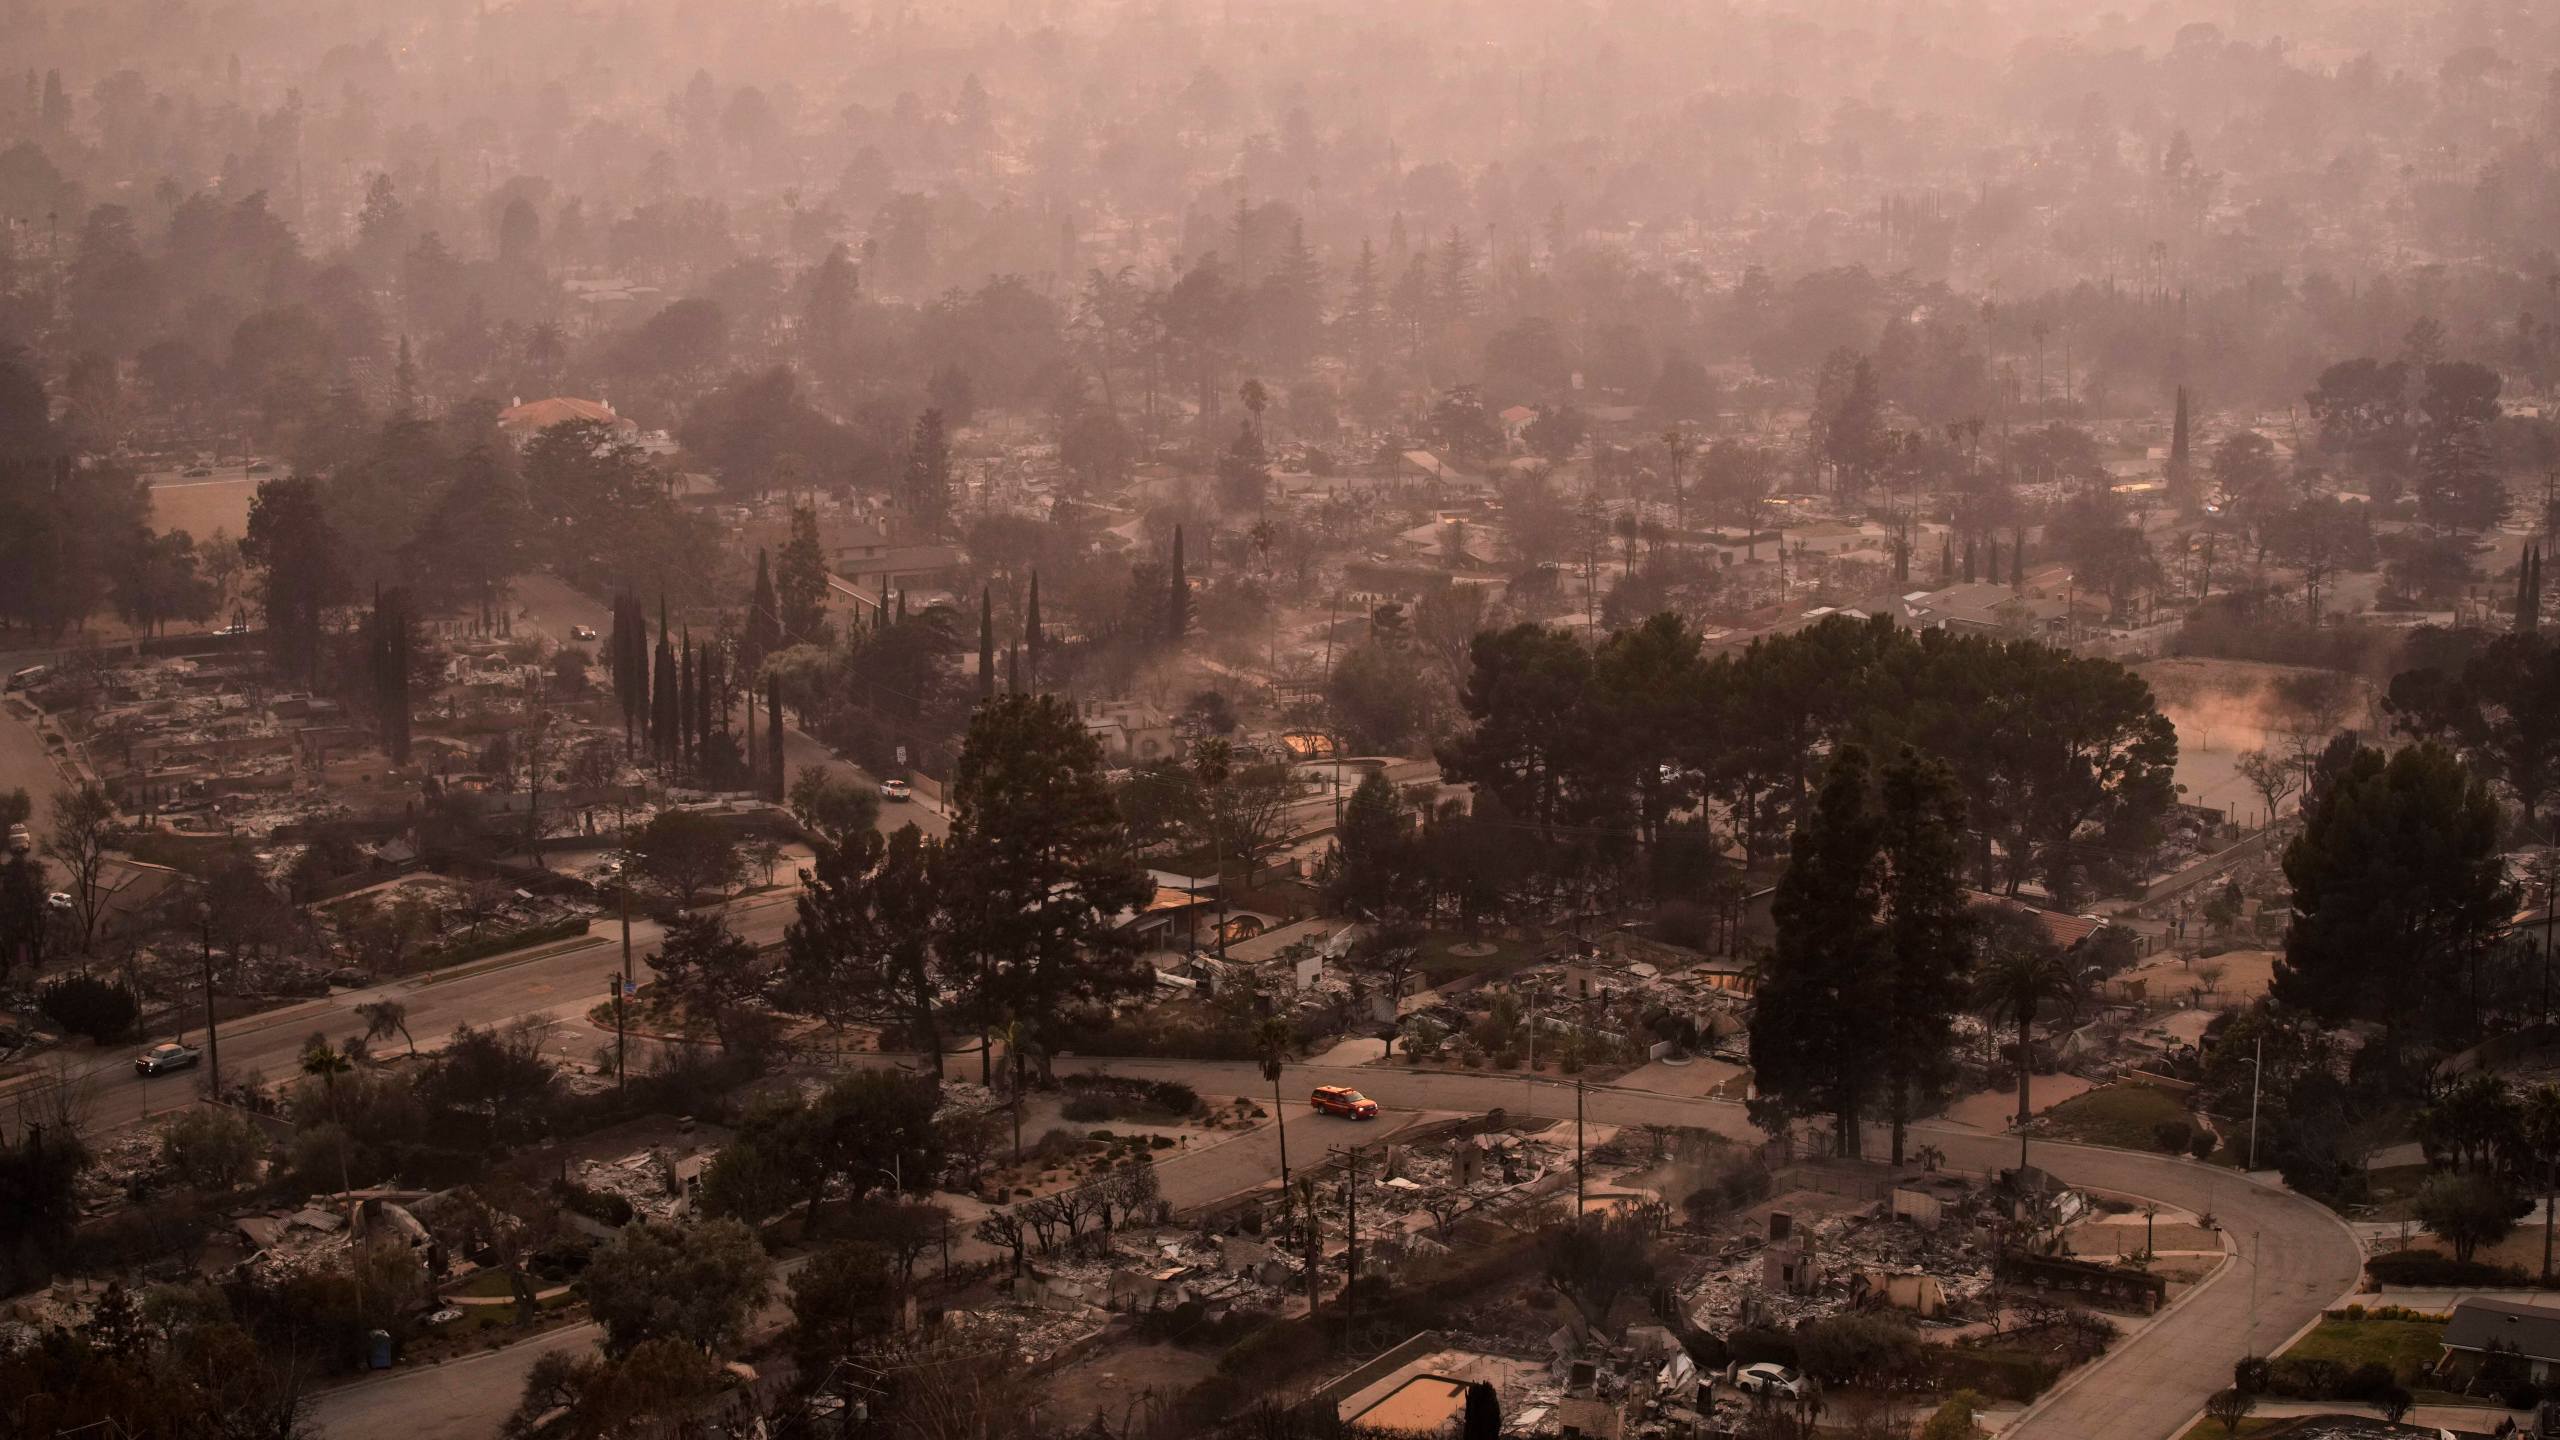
[[2245, 975], [201, 507], [1120, 1379]]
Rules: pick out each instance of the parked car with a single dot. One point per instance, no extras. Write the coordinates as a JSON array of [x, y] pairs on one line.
[[198, 472], [351, 978], [20, 840], [60, 901], [1345, 1101], [261, 467], [21, 679], [582, 632], [895, 790], [1767, 1378], [164, 1057]]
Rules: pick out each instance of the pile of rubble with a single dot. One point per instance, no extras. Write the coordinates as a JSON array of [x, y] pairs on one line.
[[1926, 1249]]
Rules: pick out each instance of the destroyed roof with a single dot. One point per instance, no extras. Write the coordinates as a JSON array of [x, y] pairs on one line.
[[2061, 927]]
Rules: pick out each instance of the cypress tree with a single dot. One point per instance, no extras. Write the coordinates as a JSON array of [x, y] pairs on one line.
[[1970, 559], [880, 617], [773, 732], [715, 715], [687, 681], [2018, 563], [2180, 458], [1177, 614], [401, 648], [763, 633], [662, 698], [986, 644], [1031, 629], [1013, 668]]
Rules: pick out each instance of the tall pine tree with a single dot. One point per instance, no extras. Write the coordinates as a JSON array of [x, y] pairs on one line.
[[1177, 612], [1820, 1029], [1927, 932]]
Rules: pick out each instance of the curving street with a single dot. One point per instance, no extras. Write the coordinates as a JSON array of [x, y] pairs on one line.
[[2293, 1257]]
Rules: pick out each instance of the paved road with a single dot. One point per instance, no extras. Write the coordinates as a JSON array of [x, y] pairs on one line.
[[560, 979], [485, 992], [2294, 1257], [553, 606]]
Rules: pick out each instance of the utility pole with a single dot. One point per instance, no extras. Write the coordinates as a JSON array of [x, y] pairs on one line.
[[613, 986], [1314, 1239], [622, 897], [1350, 1240], [212, 1039], [1577, 1151], [2257, 1072]]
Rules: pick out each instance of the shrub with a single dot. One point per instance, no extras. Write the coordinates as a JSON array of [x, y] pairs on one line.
[[2172, 1135], [2425, 1269], [600, 1206], [2298, 1378], [2250, 1374], [2201, 1144], [83, 1004], [1088, 1107], [1174, 1096], [212, 1149]]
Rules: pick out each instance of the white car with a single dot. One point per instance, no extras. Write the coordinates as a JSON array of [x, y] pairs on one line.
[[164, 1057], [582, 632], [894, 790], [1767, 1378]]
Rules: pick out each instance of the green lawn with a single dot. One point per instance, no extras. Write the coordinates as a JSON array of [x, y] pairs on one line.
[[2409, 1347], [2125, 1115]]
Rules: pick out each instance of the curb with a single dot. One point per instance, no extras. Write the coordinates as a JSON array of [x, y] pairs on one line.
[[471, 970], [2230, 1252]]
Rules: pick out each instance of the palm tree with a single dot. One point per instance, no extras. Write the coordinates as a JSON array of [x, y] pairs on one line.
[[2017, 969], [2542, 1138], [384, 1018], [1011, 1033], [1273, 1040], [321, 1060]]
